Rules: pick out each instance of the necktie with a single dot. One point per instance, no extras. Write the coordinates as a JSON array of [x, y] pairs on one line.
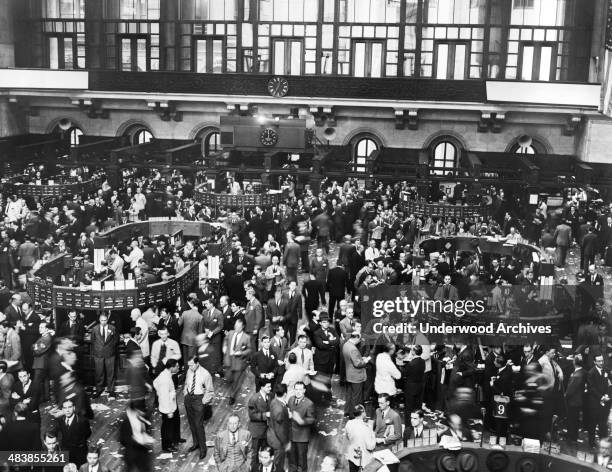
[[193, 382], [302, 356], [233, 438], [446, 291], [266, 353], [235, 342], [162, 352]]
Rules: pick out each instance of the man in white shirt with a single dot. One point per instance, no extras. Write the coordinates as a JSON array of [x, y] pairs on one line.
[[166, 396], [163, 349], [143, 337], [134, 256], [361, 439], [304, 356], [198, 391]]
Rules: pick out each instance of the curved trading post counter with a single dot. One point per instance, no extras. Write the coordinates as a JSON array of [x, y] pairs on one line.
[[419, 208], [215, 200], [45, 287], [472, 243], [56, 189], [45, 292], [475, 458]]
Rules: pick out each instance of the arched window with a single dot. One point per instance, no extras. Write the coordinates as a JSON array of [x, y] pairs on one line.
[[364, 147], [211, 143], [141, 136], [444, 155], [75, 136], [524, 149], [525, 144]]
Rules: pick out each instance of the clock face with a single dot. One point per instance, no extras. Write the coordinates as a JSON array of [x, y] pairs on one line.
[[268, 137], [278, 86]]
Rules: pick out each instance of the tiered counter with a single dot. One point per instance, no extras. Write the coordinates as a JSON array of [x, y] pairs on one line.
[[419, 208], [46, 290], [48, 188], [249, 200]]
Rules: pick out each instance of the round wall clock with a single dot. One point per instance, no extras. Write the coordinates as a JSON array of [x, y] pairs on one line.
[[268, 137], [278, 86]]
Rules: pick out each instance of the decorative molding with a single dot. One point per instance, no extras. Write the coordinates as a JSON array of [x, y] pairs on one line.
[[133, 123], [92, 107], [166, 110], [22, 105]]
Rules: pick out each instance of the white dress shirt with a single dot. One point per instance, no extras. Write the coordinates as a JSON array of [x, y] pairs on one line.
[[166, 394]]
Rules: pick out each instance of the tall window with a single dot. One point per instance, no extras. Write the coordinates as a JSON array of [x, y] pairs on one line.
[[455, 11], [138, 9], [211, 143], [368, 60], [288, 56], [209, 55], [451, 60], [369, 11], [134, 52], [288, 10], [65, 9], [537, 61], [75, 136], [62, 52], [525, 150], [141, 136], [209, 10], [444, 158], [363, 149]]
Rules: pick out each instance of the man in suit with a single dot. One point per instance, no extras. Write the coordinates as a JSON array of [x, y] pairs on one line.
[[237, 351], [294, 310], [28, 332], [563, 239], [326, 342], [198, 392], [253, 318], [21, 434], [212, 323], [104, 340], [259, 412], [279, 426], [387, 423], [416, 429], [13, 311], [27, 254], [588, 248], [264, 364], [279, 347], [446, 291], [593, 285], [313, 292], [266, 460], [40, 365], [413, 373], [233, 448], [291, 257], [355, 365], [73, 328], [278, 309], [337, 283], [305, 358], [301, 411], [93, 461], [25, 392], [74, 432], [574, 397], [597, 400], [191, 322], [464, 368], [11, 350], [345, 251], [319, 266]]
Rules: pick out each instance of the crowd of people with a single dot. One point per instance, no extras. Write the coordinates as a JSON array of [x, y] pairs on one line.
[[286, 312]]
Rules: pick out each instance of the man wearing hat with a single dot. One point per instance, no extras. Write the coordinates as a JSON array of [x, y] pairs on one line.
[[326, 342]]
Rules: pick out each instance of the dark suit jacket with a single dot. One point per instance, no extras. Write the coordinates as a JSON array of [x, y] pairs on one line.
[[243, 349], [85, 468], [314, 294], [597, 387], [258, 407], [12, 315], [504, 382], [41, 350], [590, 244], [279, 348], [344, 253], [274, 310], [453, 294], [413, 373], [279, 425], [301, 432], [104, 348], [262, 364], [380, 425], [574, 393], [33, 393], [291, 256], [326, 347], [337, 282], [464, 364], [294, 310], [76, 332], [76, 435], [22, 435]]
